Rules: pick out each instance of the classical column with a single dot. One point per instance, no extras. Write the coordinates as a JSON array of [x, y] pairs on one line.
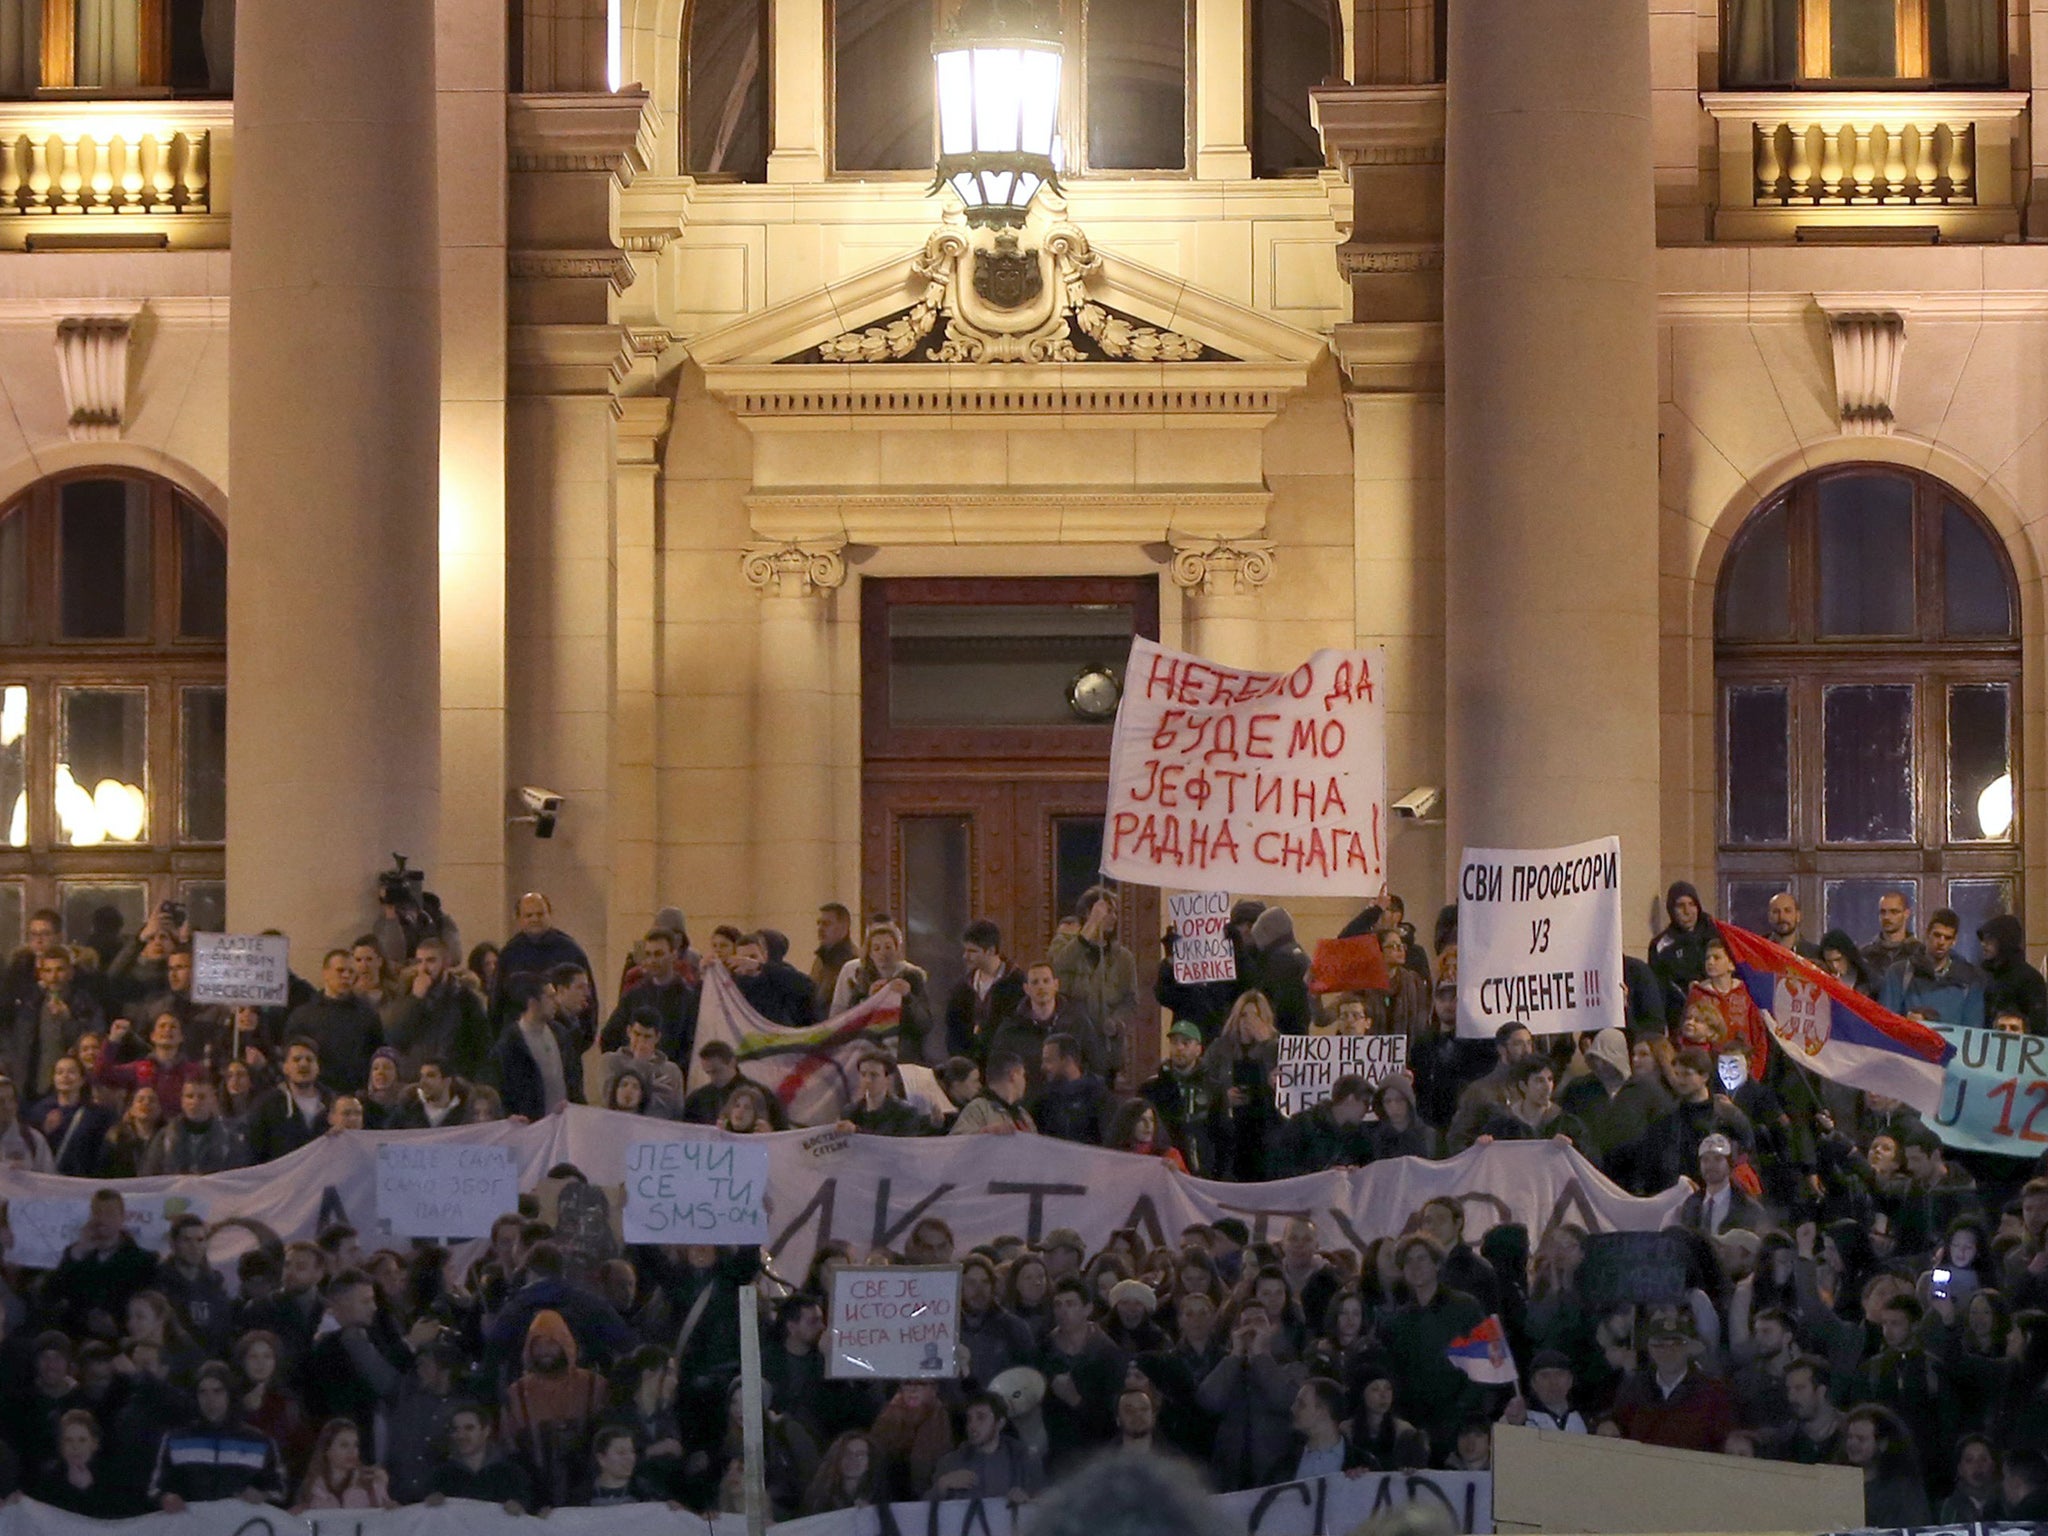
[[572, 153], [795, 843], [1222, 578], [334, 413], [636, 681], [1551, 431]]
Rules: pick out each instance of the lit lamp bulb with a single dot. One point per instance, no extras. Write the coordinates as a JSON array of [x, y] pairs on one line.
[[998, 70], [122, 810], [1994, 807], [78, 815]]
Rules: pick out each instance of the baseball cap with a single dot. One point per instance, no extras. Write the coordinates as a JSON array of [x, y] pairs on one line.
[[1183, 1030], [1550, 1360], [1233, 1229], [1675, 1326]]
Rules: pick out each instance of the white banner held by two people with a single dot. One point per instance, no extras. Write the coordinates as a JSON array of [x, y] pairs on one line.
[[1539, 939], [1274, 782]]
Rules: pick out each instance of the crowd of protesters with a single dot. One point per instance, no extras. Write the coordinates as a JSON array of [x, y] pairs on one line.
[[1854, 1293]]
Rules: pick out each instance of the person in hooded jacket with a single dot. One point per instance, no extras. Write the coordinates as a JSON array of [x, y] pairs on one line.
[[1679, 953], [1279, 968], [2011, 984], [552, 1408]]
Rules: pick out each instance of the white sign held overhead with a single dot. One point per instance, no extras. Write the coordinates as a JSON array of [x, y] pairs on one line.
[[1201, 937], [1265, 782], [1539, 939], [444, 1189], [900, 1323], [1310, 1065], [238, 969], [708, 1192]]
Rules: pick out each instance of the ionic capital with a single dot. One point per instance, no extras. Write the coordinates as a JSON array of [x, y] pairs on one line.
[[1222, 567], [798, 568]]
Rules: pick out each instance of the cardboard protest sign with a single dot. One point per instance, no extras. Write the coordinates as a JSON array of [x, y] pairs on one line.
[[1994, 1092], [1202, 950], [1632, 1268], [1310, 1064], [1274, 782], [1539, 939], [44, 1226], [709, 1192], [444, 1189], [899, 1323], [241, 968], [1349, 965]]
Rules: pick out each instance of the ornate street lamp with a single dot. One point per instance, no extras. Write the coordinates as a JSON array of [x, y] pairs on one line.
[[999, 106]]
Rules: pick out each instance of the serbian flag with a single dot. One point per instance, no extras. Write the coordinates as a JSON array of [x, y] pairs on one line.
[[814, 1071], [1483, 1355], [1829, 1027]]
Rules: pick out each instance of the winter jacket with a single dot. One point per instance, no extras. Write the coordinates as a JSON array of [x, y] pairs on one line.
[[987, 1113], [347, 1032], [972, 1017], [181, 1147], [217, 1462], [1279, 967], [2011, 983], [1023, 1035], [536, 955], [449, 1023], [1955, 996], [1103, 980], [1679, 955], [1252, 1399], [520, 1083]]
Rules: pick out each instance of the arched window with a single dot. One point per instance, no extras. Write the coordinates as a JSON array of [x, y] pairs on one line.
[[1867, 658], [1296, 46], [725, 86], [1126, 103], [113, 702]]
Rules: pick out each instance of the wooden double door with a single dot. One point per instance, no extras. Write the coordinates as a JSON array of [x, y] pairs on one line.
[[982, 814]]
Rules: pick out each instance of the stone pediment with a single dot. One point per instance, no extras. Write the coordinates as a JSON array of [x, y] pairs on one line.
[[990, 322]]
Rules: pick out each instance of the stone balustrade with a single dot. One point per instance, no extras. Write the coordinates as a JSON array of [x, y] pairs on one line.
[[1930, 164], [156, 167]]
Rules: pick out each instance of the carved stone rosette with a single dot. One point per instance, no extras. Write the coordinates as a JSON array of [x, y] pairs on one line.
[[799, 568], [1222, 567]]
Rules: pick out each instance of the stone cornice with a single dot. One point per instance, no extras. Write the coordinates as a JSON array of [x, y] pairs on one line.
[[566, 360], [615, 267], [1165, 515], [582, 131], [1380, 124], [1860, 106], [643, 423], [1252, 392]]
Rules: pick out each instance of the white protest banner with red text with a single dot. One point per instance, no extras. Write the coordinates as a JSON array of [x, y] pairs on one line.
[[1273, 783]]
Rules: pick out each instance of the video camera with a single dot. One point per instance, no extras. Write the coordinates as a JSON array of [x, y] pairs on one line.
[[417, 909]]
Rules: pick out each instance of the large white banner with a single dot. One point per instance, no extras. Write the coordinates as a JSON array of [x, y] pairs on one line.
[[1311, 1507], [1269, 783], [871, 1190], [1539, 939]]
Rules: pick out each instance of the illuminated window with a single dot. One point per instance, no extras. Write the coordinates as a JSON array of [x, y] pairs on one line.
[[1850, 43], [1868, 661], [1126, 85], [113, 697]]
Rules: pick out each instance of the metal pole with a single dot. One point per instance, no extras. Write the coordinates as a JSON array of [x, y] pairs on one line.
[[754, 1466]]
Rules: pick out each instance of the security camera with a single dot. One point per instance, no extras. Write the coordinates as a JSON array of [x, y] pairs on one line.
[[1417, 804], [544, 807]]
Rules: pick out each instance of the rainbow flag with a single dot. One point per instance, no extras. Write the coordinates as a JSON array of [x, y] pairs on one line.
[[814, 1071], [1829, 1027], [1484, 1356]]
